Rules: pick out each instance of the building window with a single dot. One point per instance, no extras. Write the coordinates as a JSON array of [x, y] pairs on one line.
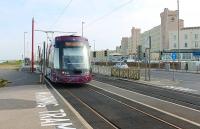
[[174, 45], [174, 37], [196, 36], [172, 19], [196, 44], [186, 36], [186, 56], [186, 45]]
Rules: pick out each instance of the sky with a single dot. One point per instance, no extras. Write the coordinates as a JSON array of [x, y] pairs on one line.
[[105, 21]]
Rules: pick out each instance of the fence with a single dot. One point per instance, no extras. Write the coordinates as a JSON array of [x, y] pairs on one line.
[[105, 70], [131, 73]]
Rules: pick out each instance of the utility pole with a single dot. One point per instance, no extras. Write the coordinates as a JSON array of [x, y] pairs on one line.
[[173, 71], [94, 51], [149, 58], [145, 55], [178, 36], [32, 59]]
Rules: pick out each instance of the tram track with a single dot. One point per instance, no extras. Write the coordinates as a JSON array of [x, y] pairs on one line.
[[134, 108], [83, 95], [95, 112], [178, 97], [103, 122]]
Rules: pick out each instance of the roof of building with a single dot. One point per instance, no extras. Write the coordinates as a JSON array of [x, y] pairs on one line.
[[115, 54], [182, 50], [187, 28]]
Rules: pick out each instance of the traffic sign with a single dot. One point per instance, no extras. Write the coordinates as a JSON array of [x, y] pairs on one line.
[[196, 53], [174, 56]]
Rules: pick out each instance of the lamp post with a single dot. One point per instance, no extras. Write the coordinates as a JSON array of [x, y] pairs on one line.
[[178, 35], [94, 44], [24, 42], [94, 51], [82, 27]]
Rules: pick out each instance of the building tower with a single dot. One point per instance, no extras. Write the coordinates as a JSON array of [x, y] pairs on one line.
[[169, 22]]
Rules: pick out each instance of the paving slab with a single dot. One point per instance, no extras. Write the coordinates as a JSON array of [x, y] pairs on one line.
[[35, 107], [26, 104]]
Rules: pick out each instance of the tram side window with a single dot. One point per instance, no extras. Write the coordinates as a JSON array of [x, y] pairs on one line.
[[56, 58]]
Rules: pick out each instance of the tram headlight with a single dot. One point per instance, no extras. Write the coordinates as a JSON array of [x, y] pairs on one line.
[[87, 72], [65, 73]]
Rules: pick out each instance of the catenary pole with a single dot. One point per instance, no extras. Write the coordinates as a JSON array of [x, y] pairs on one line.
[[32, 59], [25, 43]]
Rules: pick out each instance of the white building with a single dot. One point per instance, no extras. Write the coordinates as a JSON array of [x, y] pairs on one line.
[[134, 41], [164, 39], [99, 56], [189, 42], [189, 38], [155, 35], [169, 22], [124, 45]]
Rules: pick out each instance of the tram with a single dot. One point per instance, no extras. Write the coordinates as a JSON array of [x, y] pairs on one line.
[[68, 60]]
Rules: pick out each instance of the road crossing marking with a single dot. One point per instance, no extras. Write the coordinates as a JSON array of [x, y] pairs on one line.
[[180, 88]]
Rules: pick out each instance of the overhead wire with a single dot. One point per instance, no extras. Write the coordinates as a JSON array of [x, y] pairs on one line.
[[109, 13], [61, 13]]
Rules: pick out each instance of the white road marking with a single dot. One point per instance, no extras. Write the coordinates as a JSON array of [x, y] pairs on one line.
[[83, 121], [57, 118], [180, 88], [45, 98]]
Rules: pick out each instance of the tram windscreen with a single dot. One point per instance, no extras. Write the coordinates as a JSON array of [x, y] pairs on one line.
[[75, 58]]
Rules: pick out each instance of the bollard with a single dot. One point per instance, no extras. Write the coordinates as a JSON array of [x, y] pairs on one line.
[[40, 78]]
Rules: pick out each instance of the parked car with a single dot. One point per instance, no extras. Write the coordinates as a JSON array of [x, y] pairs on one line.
[[121, 65]]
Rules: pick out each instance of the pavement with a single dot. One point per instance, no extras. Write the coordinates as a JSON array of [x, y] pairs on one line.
[[175, 110], [180, 71], [27, 104], [185, 81]]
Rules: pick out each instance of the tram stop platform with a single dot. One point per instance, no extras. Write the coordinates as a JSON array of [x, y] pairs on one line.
[[36, 107]]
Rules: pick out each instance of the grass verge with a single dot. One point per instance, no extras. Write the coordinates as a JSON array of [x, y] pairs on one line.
[[3, 82], [15, 65]]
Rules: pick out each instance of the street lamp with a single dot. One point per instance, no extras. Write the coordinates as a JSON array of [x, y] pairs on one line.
[[24, 42], [82, 27], [178, 35], [94, 44], [94, 51]]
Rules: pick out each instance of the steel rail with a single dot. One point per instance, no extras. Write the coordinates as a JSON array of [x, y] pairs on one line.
[[168, 98], [131, 107], [90, 108], [94, 111]]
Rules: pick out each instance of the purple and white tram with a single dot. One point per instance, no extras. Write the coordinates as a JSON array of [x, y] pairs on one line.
[[68, 60]]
